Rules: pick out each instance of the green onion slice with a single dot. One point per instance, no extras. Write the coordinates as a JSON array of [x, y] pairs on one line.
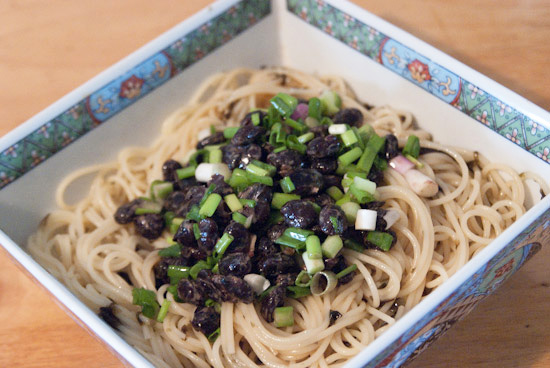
[[163, 310], [147, 299], [323, 282], [283, 316]]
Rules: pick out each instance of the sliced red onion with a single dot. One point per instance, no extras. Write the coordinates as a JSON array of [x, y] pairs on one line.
[[300, 112], [401, 164]]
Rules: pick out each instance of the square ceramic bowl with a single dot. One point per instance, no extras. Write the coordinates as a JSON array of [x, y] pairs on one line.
[[383, 64]]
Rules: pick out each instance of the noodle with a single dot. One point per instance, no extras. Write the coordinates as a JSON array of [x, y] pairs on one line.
[[86, 249]]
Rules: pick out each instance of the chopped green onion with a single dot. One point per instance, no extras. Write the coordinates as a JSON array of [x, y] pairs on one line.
[[273, 116], [350, 156], [349, 138], [147, 299], [216, 268], [215, 156], [197, 267], [256, 170], [304, 138], [196, 231], [314, 108], [161, 189], [149, 206], [346, 271], [361, 139], [222, 244], [283, 316], [233, 202], [326, 121], [252, 178], [175, 224], [212, 129], [366, 160], [239, 217], [284, 104], [313, 265], [295, 125], [238, 179], [331, 102], [229, 133], [214, 147], [207, 193], [337, 129], [279, 149], [320, 288], [293, 143], [176, 273], [271, 170], [335, 193], [193, 214], [381, 164], [247, 202], [163, 310], [210, 205], [331, 246], [170, 241], [412, 147], [280, 199], [299, 279], [381, 239], [186, 172], [255, 118], [353, 245], [346, 198], [360, 195], [214, 335], [171, 251], [297, 292], [350, 209], [366, 131], [311, 122], [352, 174], [297, 233], [376, 142], [287, 185], [144, 211], [365, 184], [290, 242], [313, 247], [415, 161], [173, 289]]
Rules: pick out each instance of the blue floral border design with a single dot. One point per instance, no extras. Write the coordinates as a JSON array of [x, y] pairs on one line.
[[123, 91], [476, 103]]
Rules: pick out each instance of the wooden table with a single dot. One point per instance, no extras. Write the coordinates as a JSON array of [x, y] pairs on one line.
[[47, 48]]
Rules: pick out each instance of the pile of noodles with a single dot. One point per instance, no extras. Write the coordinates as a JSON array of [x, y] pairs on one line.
[[86, 249]]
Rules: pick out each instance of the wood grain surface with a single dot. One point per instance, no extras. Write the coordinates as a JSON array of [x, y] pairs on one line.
[[47, 48]]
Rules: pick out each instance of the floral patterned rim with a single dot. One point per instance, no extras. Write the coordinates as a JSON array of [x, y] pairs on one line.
[[123, 91], [476, 103]]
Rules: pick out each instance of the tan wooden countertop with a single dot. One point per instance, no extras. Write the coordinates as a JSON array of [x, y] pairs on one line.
[[47, 48]]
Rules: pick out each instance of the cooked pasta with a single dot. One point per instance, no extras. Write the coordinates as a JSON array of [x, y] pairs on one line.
[[101, 261]]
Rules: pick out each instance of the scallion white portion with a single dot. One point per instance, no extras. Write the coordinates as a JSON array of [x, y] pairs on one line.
[[365, 220], [258, 283]]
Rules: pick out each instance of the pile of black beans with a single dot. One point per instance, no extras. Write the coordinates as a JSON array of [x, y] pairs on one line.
[[311, 172]]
